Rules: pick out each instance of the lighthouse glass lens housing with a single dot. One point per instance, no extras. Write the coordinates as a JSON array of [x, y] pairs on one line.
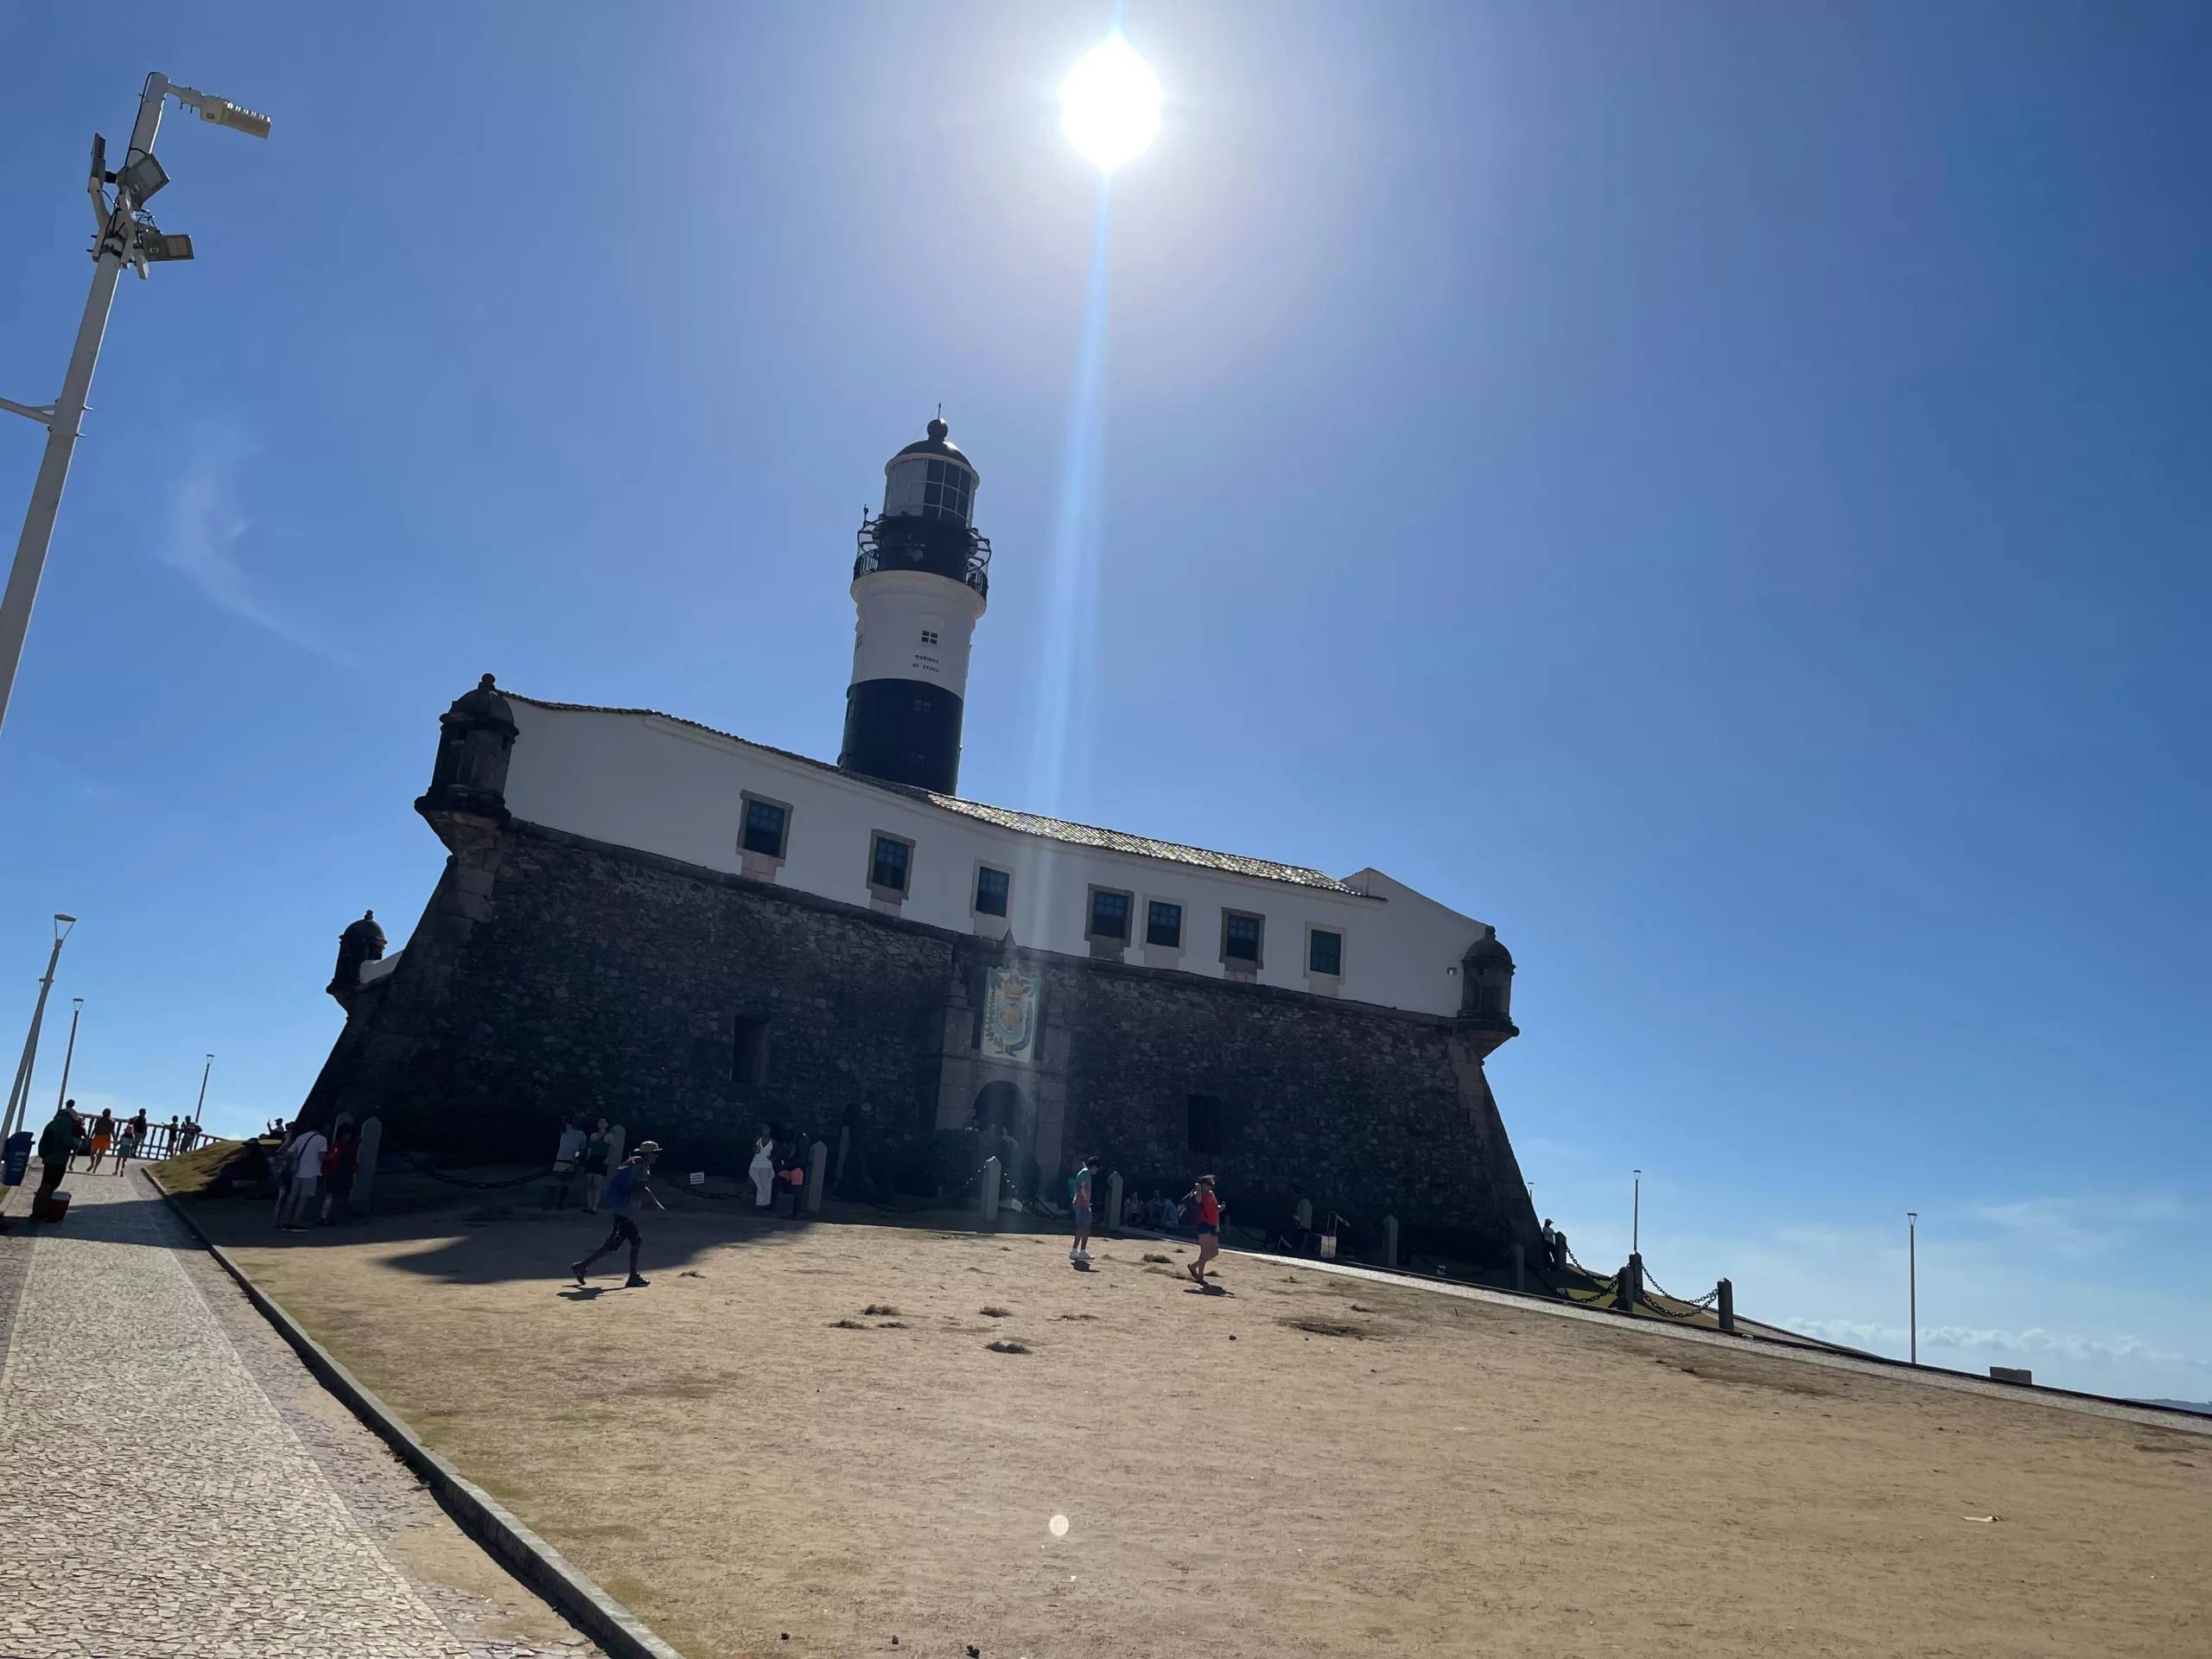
[[1109, 105]]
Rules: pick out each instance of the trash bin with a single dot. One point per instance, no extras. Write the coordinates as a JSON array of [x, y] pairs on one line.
[[52, 1208]]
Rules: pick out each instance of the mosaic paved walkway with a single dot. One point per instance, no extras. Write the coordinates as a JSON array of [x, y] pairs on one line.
[[174, 1482]]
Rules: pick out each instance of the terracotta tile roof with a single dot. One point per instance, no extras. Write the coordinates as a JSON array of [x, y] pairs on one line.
[[1027, 824]]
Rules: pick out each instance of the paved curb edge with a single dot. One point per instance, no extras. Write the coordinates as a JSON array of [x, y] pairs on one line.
[[607, 1621]]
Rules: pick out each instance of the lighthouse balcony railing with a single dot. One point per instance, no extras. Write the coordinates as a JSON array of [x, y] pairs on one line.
[[973, 556]]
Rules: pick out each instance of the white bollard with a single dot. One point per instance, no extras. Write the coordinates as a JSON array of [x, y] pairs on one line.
[[989, 1206], [372, 1145], [1113, 1203]]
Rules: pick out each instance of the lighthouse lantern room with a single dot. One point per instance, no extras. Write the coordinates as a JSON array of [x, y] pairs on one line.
[[920, 585]]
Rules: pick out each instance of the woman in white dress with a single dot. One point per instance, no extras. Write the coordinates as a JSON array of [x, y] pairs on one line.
[[763, 1170]]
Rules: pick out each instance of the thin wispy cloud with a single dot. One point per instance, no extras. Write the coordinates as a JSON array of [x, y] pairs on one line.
[[207, 524], [2017, 1345]]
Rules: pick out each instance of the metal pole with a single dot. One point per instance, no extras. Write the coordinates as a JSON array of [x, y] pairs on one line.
[[69, 1054], [1912, 1281], [1636, 1215], [202, 1103], [19, 1098], [68, 412]]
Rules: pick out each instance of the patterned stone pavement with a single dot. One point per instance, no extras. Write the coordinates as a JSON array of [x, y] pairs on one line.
[[173, 1481]]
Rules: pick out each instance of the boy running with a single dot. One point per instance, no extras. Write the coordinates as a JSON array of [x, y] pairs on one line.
[[1209, 1226], [623, 1189], [1080, 1201]]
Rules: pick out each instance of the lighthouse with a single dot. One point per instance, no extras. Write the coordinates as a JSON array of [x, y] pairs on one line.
[[920, 585]]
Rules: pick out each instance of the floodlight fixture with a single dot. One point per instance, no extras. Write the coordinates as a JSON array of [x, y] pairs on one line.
[[223, 113], [158, 247], [126, 236], [142, 177]]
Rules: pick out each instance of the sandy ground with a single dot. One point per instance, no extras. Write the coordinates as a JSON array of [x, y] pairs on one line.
[[759, 1465]]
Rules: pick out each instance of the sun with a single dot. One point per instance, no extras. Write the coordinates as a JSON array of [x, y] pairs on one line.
[[1109, 105]]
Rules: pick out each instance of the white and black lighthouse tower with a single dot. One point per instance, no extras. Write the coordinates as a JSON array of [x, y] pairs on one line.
[[919, 584]]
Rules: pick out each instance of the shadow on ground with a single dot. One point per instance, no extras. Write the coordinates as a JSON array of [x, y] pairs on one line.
[[503, 1231]]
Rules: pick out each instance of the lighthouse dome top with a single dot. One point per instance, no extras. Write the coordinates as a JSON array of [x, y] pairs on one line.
[[931, 479]]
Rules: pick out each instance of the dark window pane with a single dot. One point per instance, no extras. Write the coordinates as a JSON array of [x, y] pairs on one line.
[[764, 828], [936, 472], [1326, 953], [990, 892], [888, 867], [1241, 942], [1109, 915], [1163, 924], [933, 496]]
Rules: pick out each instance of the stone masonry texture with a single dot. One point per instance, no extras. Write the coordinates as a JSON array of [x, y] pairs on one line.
[[551, 977]]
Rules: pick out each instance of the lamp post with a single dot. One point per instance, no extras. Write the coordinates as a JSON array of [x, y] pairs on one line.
[[69, 1054], [128, 236], [1912, 1283], [201, 1105], [1635, 1214], [19, 1098]]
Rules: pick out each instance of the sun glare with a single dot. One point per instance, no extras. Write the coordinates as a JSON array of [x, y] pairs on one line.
[[1109, 105]]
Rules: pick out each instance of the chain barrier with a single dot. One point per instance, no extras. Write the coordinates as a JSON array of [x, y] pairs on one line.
[[421, 1165]]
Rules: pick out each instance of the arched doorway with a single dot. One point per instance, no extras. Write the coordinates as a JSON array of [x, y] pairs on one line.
[[999, 1106]]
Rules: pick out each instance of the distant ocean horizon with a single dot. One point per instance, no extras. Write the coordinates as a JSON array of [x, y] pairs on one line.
[[2202, 1406]]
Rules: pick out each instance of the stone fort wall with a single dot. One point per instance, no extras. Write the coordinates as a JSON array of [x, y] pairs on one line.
[[551, 975]]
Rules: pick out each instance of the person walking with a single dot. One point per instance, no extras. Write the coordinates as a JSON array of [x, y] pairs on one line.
[[624, 1188], [1208, 1208], [307, 1148], [1079, 1202], [599, 1149], [763, 1169], [57, 1143], [568, 1151], [103, 1138], [340, 1165], [127, 1143]]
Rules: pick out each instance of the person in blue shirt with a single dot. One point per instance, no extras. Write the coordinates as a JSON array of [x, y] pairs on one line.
[[624, 1188]]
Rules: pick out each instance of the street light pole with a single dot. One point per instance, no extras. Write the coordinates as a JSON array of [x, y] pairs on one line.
[[69, 1054], [127, 235], [202, 1105], [19, 1098], [1912, 1281], [1636, 1215]]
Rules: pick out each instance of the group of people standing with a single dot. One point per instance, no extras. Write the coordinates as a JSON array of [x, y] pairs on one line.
[[313, 1174], [588, 1150]]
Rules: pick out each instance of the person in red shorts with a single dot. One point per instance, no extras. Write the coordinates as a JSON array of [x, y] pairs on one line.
[[1209, 1226]]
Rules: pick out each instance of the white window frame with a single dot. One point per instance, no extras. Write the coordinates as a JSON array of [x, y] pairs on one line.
[[762, 866], [1238, 967], [1162, 956], [883, 898], [1105, 945], [1325, 984], [988, 925]]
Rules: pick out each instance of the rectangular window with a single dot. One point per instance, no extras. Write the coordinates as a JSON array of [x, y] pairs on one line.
[[749, 1059], [1109, 914], [887, 865], [929, 636], [991, 889], [1325, 952], [765, 822], [1240, 937], [1163, 924], [1202, 1125]]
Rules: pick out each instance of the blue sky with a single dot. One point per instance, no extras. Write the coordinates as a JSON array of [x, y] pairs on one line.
[[1719, 492]]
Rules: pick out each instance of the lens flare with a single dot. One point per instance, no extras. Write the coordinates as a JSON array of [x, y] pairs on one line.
[[1109, 105]]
